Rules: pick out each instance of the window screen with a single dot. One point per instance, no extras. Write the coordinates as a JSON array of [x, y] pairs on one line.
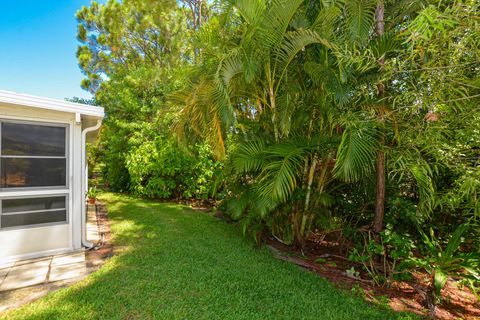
[[33, 211], [32, 140], [32, 155]]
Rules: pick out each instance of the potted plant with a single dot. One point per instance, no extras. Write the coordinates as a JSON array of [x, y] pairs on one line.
[[92, 195]]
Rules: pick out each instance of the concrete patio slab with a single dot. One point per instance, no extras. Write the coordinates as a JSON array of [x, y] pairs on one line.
[[68, 259], [30, 261], [3, 274], [44, 270], [26, 274], [67, 271], [92, 227], [7, 265]]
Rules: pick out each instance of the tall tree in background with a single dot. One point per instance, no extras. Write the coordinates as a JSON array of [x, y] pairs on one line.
[[125, 35], [197, 12], [380, 161], [129, 52]]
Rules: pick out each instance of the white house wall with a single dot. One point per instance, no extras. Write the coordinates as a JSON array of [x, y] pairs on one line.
[[33, 242], [37, 241]]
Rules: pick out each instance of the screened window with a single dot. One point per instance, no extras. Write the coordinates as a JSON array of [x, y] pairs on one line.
[[33, 211], [32, 155]]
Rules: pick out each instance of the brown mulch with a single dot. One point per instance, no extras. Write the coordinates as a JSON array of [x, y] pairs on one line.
[[103, 249], [458, 302]]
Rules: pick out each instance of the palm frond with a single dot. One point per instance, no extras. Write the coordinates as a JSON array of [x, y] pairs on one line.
[[422, 175], [230, 67], [356, 153], [261, 205], [328, 79], [221, 97], [251, 10], [360, 19], [279, 176], [325, 22], [384, 45], [204, 111], [249, 157], [294, 42], [275, 22]]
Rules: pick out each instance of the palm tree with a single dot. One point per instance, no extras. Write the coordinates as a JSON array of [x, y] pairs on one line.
[[284, 72], [366, 24]]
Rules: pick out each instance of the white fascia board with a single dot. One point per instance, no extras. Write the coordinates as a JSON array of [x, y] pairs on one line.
[[50, 104]]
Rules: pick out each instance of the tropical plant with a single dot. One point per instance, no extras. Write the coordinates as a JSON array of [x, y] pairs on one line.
[[92, 193], [360, 116], [444, 262], [276, 180]]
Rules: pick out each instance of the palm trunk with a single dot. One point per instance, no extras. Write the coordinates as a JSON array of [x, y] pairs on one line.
[[380, 191], [323, 174], [310, 181], [380, 165], [274, 113]]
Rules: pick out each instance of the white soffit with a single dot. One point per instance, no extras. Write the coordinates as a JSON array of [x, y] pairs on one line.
[[26, 100]]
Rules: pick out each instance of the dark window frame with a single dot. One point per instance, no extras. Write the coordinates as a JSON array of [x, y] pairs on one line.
[[66, 156]]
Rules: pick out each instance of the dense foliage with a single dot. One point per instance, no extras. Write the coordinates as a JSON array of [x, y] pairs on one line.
[[132, 54], [299, 116]]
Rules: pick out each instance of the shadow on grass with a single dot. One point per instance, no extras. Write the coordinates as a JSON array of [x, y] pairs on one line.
[[181, 264]]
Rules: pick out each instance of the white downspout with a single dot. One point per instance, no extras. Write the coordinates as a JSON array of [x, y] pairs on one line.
[[84, 182]]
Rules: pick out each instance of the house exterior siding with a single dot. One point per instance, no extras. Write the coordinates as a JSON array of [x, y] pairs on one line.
[[35, 241]]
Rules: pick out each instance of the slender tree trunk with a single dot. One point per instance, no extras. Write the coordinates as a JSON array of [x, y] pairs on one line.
[[323, 174], [380, 161], [380, 191], [310, 181], [274, 113]]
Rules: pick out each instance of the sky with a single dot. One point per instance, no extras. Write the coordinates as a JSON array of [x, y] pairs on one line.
[[37, 48]]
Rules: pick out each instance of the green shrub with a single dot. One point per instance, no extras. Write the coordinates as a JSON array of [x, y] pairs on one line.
[[159, 169]]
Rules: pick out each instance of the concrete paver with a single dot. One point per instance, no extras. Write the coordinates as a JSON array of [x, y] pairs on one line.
[[25, 275], [3, 273], [68, 259], [6, 265], [30, 261], [67, 271]]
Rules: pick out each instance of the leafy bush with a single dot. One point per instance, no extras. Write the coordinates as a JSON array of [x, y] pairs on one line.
[[394, 250], [159, 169]]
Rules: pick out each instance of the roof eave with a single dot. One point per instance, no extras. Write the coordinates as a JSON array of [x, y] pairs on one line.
[[50, 104]]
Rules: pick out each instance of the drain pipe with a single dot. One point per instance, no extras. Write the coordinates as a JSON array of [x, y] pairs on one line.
[[84, 183]]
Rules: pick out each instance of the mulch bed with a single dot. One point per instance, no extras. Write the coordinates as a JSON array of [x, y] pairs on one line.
[[458, 303], [103, 249]]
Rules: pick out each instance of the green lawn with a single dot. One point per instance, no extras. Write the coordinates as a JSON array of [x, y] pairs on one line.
[[183, 264]]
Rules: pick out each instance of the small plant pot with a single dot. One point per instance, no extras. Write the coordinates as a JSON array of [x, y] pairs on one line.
[[91, 201]]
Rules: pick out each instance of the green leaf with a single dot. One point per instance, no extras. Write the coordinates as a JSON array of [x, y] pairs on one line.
[[440, 279], [279, 176], [250, 157], [356, 153], [360, 19], [455, 241]]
